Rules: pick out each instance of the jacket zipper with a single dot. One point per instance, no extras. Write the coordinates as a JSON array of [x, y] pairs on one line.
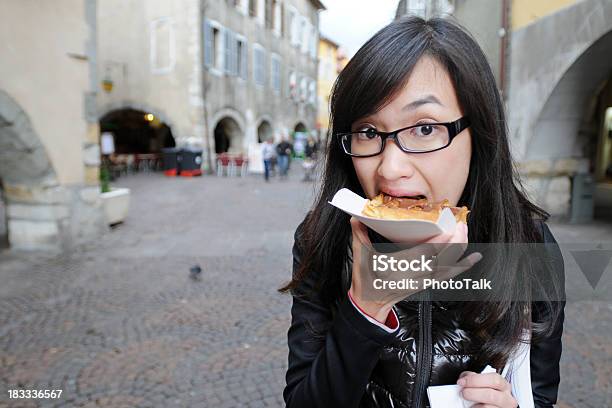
[[424, 354]]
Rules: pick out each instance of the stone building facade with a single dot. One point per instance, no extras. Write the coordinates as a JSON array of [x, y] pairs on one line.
[[331, 61], [224, 75], [551, 60], [49, 155]]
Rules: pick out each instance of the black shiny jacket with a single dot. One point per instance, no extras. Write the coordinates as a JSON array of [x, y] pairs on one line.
[[342, 360]]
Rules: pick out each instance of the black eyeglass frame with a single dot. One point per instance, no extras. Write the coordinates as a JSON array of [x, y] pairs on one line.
[[454, 128]]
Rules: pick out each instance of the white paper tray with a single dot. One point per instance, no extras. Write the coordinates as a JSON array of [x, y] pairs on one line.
[[400, 231]]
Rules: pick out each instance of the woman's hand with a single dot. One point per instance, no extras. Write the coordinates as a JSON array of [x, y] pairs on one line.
[[438, 246], [487, 390]]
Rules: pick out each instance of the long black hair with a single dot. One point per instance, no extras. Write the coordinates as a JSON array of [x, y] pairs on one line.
[[500, 210]]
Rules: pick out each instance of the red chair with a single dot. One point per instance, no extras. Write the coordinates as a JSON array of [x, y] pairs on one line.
[[240, 162], [223, 162]]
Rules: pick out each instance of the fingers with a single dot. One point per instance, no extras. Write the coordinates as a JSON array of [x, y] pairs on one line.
[[489, 380], [458, 235], [487, 389], [489, 397], [440, 239], [448, 272], [484, 406], [463, 374]]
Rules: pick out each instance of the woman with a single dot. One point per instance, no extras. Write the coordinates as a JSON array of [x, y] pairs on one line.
[[348, 351]]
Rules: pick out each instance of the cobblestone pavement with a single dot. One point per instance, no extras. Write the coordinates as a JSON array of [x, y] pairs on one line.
[[119, 323]]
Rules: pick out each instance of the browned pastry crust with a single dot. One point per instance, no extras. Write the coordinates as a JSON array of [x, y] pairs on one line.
[[399, 208]]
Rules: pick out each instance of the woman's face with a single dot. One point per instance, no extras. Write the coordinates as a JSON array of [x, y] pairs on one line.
[[437, 175]]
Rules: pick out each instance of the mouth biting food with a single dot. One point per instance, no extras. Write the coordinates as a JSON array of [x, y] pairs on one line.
[[410, 208]]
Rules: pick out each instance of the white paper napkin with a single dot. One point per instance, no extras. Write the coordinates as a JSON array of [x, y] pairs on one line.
[[449, 396]]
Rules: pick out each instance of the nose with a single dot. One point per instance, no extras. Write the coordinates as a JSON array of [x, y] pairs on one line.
[[394, 163]]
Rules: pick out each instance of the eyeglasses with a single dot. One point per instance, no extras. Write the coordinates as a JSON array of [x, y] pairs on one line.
[[421, 138]]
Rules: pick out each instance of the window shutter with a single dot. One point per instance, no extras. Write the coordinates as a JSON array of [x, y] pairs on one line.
[[244, 67], [256, 52], [208, 44], [227, 37], [235, 55], [264, 65]]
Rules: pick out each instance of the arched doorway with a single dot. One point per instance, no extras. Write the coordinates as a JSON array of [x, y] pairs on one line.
[[25, 176], [300, 127], [300, 134], [228, 136], [136, 131], [264, 131], [572, 129], [139, 138]]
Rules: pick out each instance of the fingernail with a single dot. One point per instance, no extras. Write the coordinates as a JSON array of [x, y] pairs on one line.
[[461, 382]]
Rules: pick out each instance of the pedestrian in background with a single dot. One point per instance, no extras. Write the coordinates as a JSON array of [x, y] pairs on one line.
[[268, 153], [310, 153], [311, 148], [283, 151]]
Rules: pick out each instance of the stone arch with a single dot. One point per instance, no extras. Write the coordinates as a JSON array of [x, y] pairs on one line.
[[299, 135], [228, 123], [229, 138], [137, 131], [35, 204], [229, 112], [300, 127], [538, 67], [559, 130], [23, 158], [264, 131], [117, 106]]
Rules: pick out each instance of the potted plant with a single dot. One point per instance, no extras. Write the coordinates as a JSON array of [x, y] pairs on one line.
[[116, 201]]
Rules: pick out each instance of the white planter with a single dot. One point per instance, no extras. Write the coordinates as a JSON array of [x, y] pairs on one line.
[[116, 204]]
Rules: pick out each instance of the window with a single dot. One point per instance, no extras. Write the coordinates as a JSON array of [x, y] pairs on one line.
[[269, 20], [312, 92], [314, 43], [243, 6], [283, 20], [276, 73], [292, 82], [303, 89], [259, 65], [162, 57], [260, 15], [305, 35], [293, 25], [253, 8], [213, 46], [241, 57], [417, 7], [277, 17], [231, 55]]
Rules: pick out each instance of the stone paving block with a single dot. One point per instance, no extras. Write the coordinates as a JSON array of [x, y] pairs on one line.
[[121, 321]]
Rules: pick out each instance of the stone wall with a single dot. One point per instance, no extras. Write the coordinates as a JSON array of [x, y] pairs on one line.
[[549, 182], [49, 156]]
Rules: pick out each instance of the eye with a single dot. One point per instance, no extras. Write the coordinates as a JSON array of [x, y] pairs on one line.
[[427, 130], [366, 133]]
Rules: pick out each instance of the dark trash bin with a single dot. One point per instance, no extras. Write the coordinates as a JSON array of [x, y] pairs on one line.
[[191, 162], [172, 161]]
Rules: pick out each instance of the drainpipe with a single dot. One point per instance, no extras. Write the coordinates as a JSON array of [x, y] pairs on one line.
[[504, 46], [205, 88]]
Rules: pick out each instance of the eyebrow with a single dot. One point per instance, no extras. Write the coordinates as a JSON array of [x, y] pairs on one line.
[[422, 101]]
